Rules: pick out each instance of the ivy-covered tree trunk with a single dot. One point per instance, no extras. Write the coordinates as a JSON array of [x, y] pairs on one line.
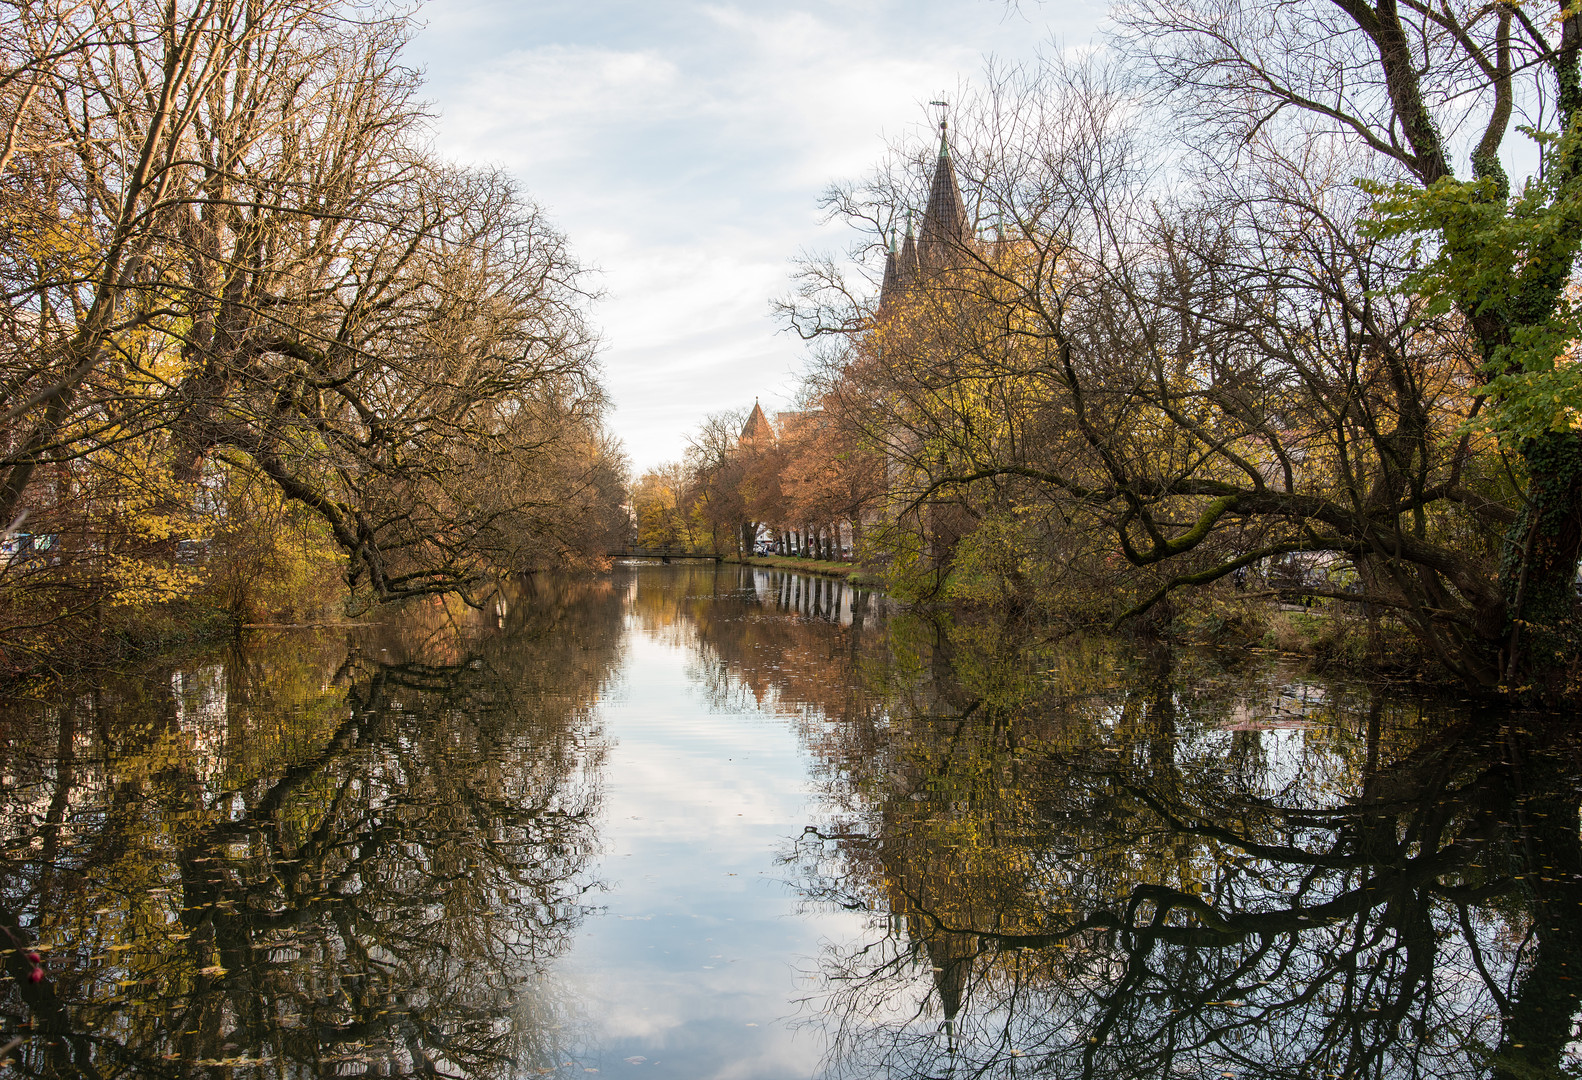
[[1539, 568]]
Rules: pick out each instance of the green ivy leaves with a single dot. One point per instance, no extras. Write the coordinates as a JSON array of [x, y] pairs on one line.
[[1506, 264]]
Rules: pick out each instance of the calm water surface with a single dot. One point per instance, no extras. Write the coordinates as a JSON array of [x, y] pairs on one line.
[[694, 822]]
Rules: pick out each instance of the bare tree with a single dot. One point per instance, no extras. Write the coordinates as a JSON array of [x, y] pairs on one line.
[[714, 473], [1410, 87], [1205, 365], [241, 249]]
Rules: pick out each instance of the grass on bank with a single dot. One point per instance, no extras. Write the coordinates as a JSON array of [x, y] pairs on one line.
[[1324, 636]]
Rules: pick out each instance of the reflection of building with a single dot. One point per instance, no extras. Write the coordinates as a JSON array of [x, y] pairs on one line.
[[950, 955]]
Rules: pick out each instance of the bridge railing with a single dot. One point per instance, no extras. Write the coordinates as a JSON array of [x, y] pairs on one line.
[[663, 553]]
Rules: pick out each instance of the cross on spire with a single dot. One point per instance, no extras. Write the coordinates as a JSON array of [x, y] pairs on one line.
[[944, 145]]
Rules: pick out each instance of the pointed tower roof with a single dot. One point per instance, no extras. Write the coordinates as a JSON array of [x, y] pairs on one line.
[[906, 262], [892, 275], [891, 286], [950, 954], [945, 220], [757, 426]]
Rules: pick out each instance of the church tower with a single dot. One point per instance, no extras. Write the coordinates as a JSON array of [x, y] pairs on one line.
[[891, 286], [900, 267], [944, 233], [906, 265], [757, 426], [945, 227]]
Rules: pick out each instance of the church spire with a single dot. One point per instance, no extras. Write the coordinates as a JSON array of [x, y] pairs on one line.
[[757, 426], [945, 220], [906, 264], [892, 274]]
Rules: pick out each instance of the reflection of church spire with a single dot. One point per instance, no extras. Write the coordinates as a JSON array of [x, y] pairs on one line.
[[950, 953]]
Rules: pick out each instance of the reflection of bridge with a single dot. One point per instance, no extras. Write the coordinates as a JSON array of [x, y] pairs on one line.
[[663, 554]]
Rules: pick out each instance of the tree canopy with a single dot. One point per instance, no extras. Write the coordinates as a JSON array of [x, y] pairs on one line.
[[1224, 313], [229, 248]]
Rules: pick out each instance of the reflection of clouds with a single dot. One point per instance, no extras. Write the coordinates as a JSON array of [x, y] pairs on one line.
[[702, 790], [678, 762]]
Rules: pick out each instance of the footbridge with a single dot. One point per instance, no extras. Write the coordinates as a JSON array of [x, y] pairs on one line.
[[663, 554]]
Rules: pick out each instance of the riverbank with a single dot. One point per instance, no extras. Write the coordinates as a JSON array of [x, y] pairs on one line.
[[1325, 640], [126, 637], [853, 575]]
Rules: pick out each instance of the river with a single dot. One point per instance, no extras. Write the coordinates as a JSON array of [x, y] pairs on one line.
[[720, 822]]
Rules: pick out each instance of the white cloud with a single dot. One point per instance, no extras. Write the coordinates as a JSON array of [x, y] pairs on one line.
[[683, 146]]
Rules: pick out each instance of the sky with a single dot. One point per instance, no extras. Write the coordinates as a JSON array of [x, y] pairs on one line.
[[682, 147]]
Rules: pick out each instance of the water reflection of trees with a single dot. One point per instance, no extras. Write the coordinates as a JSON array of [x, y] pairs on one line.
[[1138, 869], [1085, 861], [784, 641], [320, 856]]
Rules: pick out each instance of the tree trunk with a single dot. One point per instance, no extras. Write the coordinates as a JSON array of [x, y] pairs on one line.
[[27, 459], [1538, 571]]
